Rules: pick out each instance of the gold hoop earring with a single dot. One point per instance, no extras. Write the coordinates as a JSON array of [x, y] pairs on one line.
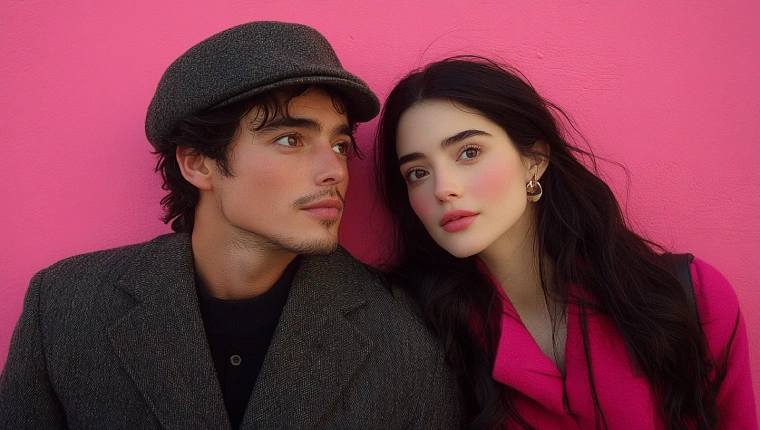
[[533, 189]]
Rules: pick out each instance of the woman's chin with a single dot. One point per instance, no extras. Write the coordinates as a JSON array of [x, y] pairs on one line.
[[461, 251]]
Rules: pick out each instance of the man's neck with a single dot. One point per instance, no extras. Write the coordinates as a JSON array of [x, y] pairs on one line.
[[233, 271]]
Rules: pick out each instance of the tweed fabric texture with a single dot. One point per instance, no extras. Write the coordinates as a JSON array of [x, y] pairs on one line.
[[114, 339], [246, 60]]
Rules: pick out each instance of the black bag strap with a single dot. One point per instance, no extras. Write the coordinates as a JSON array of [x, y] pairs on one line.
[[680, 266]]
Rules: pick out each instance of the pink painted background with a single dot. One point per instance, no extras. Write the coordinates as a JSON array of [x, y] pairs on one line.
[[670, 89]]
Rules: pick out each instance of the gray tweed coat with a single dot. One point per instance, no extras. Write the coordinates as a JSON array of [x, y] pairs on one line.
[[114, 339]]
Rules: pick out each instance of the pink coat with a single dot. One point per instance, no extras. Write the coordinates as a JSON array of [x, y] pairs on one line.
[[624, 396]]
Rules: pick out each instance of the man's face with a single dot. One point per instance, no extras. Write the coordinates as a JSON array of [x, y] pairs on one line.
[[288, 178]]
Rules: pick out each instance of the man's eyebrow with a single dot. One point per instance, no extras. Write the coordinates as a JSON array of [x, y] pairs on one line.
[[291, 122], [445, 143], [295, 122], [343, 129]]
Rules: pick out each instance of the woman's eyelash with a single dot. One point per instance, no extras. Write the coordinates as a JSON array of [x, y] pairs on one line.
[[413, 170], [467, 148]]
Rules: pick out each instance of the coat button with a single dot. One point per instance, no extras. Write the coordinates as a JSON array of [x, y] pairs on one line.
[[235, 360]]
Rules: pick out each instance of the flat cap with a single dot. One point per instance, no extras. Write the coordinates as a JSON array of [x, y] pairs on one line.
[[246, 60]]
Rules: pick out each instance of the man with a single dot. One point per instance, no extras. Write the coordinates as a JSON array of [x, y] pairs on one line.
[[247, 317]]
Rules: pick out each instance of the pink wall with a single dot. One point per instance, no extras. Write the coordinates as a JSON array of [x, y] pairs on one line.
[[671, 89]]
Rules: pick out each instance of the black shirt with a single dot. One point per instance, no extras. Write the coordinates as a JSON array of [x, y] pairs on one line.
[[239, 333]]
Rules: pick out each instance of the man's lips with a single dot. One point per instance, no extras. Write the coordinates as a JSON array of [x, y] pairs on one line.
[[457, 220], [329, 208]]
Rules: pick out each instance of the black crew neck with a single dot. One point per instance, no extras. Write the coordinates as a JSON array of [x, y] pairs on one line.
[[239, 333]]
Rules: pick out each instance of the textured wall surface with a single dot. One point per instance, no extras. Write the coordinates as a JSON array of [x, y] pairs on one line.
[[669, 89]]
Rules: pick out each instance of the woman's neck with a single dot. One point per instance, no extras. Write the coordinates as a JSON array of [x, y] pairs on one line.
[[513, 260]]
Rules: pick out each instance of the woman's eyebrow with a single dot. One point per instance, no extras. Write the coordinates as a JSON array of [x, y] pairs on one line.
[[445, 143], [410, 157]]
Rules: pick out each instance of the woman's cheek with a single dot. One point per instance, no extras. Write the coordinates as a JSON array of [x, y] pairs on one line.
[[491, 181], [421, 204]]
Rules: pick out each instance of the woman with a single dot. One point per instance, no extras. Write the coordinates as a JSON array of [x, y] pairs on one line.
[[552, 312]]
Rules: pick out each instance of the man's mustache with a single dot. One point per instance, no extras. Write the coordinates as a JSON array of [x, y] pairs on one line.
[[332, 192]]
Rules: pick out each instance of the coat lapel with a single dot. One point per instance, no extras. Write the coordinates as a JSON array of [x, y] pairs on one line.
[[519, 361], [161, 342], [521, 364], [315, 351]]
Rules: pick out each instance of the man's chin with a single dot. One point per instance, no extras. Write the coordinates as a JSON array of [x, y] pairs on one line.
[[321, 246], [324, 251]]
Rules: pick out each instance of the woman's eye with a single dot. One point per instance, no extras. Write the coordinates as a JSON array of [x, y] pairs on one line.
[[469, 153], [342, 148], [415, 175], [289, 140]]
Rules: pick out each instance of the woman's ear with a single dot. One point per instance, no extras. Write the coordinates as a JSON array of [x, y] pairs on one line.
[[538, 161], [541, 149], [196, 168]]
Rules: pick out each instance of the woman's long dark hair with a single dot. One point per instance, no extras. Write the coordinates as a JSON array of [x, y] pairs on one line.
[[581, 230]]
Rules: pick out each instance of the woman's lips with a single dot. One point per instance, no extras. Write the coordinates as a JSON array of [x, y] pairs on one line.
[[457, 220]]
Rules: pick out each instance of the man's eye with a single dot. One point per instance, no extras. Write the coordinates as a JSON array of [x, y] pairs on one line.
[[288, 140], [342, 148]]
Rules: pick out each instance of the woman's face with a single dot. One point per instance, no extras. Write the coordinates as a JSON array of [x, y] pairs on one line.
[[465, 179]]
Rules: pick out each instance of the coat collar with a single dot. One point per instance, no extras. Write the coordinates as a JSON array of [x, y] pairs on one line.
[[161, 342], [521, 364], [519, 361], [315, 351]]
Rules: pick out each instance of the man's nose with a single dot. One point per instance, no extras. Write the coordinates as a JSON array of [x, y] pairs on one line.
[[330, 166]]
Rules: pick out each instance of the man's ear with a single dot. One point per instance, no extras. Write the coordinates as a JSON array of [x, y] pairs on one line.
[[196, 168]]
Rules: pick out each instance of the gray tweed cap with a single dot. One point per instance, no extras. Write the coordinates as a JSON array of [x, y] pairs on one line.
[[246, 60]]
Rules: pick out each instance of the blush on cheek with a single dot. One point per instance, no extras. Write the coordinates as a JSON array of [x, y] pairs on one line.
[[495, 180]]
